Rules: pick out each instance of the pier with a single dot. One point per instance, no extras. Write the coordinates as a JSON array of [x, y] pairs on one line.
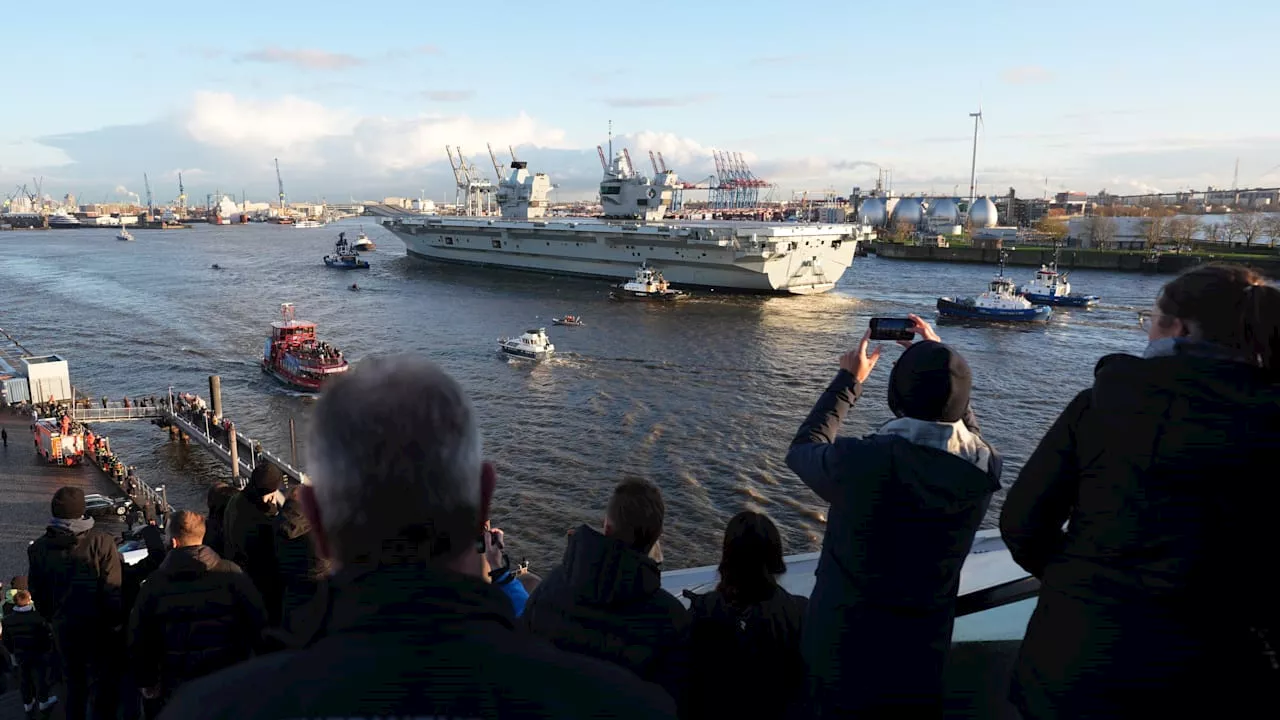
[[190, 417]]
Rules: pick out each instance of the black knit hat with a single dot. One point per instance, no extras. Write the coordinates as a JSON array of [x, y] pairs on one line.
[[266, 479], [68, 503], [930, 382]]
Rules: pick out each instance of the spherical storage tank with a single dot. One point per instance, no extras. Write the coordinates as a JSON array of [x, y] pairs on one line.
[[872, 212], [944, 212], [983, 214], [908, 211]]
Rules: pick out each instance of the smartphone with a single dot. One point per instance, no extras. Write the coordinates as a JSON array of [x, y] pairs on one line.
[[496, 539], [891, 329]]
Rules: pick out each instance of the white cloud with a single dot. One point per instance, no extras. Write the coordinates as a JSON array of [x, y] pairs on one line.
[[305, 58], [225, 121], [1027, 75]]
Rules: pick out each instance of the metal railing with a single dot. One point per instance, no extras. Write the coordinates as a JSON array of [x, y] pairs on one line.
[[87, 415]]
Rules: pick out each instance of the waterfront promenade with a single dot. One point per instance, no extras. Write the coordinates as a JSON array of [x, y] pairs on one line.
[[27, 485]]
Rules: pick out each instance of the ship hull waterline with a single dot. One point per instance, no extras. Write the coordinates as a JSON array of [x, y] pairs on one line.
[[783, 274]]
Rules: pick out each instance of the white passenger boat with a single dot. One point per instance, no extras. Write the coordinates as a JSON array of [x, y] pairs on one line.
[[532, 345]]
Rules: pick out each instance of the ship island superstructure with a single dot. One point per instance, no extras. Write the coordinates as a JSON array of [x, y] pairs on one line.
[[796, 258]]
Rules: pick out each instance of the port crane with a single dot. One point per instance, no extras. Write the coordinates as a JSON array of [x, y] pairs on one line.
[[473, 191], [497, 169], [280, 185], [151, 208]]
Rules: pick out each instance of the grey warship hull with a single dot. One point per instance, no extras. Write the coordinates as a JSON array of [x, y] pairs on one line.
[[782, 258]]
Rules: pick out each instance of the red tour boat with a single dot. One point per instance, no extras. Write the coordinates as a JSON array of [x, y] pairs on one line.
[[295, 357]]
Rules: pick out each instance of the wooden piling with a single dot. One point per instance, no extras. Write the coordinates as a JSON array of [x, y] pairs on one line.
[[234, 447], [215, 397]]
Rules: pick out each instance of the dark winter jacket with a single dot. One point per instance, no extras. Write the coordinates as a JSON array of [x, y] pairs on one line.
[[76, 578], [134, 574], [606, 600], [215, 531], [301, 570], [902, 521], [196, 614], [250, 542], [757, 646], [415, 641], [1166, 472], [26, 633]]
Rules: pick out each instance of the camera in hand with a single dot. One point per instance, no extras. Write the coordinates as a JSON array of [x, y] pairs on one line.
[[891, 329]]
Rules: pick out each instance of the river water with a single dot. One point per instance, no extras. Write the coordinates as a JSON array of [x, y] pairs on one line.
[[702, 397]]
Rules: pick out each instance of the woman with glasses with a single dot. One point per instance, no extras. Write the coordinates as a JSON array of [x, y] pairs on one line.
[[1148, 513]]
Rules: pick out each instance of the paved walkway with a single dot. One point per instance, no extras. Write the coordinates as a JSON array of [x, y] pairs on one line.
[[27, 485]]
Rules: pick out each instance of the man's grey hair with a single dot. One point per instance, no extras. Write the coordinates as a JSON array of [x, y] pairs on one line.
[[394, 445]]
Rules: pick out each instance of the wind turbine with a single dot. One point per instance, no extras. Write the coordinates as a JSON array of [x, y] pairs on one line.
[[973, 167]]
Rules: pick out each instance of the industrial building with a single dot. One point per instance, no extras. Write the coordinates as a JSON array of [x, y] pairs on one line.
[[31, 378]]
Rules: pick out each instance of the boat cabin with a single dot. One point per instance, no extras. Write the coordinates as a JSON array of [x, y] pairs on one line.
[[1001, 286], [289, 330]]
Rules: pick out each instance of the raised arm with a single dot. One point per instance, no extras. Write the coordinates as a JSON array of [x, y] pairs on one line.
[[814, 455], [1042, 497]]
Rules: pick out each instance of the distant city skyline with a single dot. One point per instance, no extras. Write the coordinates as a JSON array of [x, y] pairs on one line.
[[1128, 97]]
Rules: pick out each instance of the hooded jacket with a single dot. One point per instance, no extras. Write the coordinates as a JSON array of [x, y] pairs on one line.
[[418, 641], [196, 614], [905, 505], [1164, 472], [605, 600], [27, 634], [249, 540], [301, 570], [75, 575]]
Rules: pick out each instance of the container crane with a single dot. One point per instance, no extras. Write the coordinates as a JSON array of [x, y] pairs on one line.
[[497, 169]]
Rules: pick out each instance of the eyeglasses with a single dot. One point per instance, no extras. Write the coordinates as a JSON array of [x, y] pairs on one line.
[[1145, 318]]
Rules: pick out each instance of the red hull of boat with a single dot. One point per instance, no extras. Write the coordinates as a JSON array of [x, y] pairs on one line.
[[297, 382]]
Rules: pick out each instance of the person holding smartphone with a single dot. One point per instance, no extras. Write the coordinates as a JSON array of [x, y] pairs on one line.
[[906, 502]]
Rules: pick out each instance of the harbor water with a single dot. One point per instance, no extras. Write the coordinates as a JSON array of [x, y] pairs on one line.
[[701, 397]]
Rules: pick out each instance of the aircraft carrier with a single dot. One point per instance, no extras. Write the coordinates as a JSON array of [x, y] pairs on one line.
[[795, 258]]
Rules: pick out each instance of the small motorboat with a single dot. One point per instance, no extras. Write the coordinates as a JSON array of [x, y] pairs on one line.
[[647, 285], [570, 320], [308, 224], [532, 345], [363, 243], [354, 286], [1051, 288], [215, 266], [1000, 303], [124, 234]]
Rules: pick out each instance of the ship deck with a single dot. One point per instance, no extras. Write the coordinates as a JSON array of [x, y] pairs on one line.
[[594, 223]]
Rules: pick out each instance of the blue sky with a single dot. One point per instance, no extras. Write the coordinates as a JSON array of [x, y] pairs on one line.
[[1130, 96]]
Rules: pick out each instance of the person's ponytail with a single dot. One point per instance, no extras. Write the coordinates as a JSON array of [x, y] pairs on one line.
[[1261, 325]]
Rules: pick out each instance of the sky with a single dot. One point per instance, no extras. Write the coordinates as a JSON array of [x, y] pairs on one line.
[[358, 101]]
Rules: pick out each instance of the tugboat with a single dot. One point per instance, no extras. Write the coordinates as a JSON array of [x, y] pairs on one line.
[[363, 243], [1051, 288], [1000, 303], [294, 355], [125, 235], [532, 345], [647, 285], [570, 320], [344, 256]]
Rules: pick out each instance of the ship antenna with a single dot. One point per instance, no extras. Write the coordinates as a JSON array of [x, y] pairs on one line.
[[610, 141]]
